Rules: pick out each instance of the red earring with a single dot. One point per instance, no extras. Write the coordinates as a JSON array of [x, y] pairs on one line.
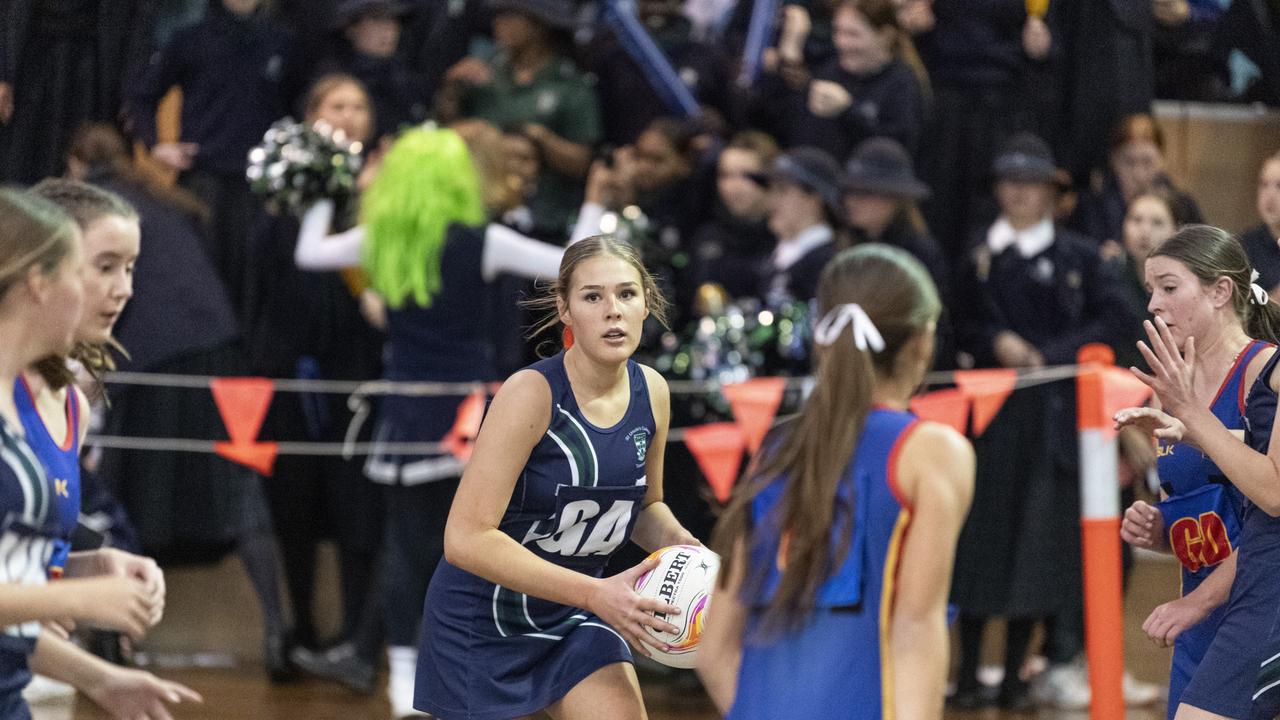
[[566, 338]]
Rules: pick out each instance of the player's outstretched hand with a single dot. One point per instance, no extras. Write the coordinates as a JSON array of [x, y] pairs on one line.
[[616, 601], [129, 694], [1143, 526], [1157, 423]]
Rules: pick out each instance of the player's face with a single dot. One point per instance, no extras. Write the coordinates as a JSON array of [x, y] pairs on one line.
[[1179, 298], [111, 246], [606, 308]]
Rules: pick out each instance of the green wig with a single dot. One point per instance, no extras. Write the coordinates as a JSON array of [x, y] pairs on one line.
[[427, 183]]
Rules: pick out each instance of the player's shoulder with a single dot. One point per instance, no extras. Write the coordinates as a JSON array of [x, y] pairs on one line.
[[938, 439], [938, 452], [528, 383], [654, 379]]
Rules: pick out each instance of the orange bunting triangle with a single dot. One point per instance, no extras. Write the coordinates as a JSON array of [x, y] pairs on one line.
[[718, 449], [988, 389], [461, 438], [755, 403], [261, 456], [243, 403], [949, 407]]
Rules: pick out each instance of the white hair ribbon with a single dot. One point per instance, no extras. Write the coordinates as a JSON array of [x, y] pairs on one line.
[[865, 334], [1260, 296]]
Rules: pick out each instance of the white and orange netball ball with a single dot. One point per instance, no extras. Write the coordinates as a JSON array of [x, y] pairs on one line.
[[685, 577]]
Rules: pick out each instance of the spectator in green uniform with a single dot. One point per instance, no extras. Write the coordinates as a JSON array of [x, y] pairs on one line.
[[531, 86]]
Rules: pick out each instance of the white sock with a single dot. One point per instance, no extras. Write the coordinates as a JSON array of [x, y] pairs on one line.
[[402, 661]]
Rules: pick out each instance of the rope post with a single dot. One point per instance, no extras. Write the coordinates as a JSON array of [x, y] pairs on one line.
[[1100, 537]]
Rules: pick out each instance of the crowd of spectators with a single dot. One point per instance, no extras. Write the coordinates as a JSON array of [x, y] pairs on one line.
[[1005, 143]]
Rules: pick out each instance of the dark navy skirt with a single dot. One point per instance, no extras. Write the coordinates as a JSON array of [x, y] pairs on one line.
[[1227, 679], [489, 654]]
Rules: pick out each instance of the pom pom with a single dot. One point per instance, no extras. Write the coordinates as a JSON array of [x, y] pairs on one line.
[[298, 163]]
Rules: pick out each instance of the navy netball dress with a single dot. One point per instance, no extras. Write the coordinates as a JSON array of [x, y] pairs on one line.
[[27, 538], [837, 664], [1202, 518], [1248, 638], [61, 461], [488, 652]]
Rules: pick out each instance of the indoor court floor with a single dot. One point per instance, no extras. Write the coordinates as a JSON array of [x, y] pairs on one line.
[[210, 640]]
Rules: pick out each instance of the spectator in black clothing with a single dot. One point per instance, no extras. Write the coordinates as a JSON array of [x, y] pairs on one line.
[[881, 196], [1030, 294], [874, 86], [1136, 164], [729, 248], [805, 206], [370, 51], [983, 57], [1262, 243], [230, 66], [628, 103]]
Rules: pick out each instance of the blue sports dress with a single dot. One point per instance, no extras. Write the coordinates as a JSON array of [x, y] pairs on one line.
[[488, 652], [836, 666], [61, 460]]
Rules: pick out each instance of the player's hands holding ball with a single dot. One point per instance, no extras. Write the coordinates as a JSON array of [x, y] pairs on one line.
[[616, 601]]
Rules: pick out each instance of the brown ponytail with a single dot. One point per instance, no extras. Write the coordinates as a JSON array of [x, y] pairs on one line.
[[813, 450]]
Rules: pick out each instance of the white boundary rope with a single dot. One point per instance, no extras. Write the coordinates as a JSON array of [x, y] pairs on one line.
[[360, 391]]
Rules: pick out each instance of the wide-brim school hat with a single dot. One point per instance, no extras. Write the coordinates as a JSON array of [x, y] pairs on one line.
[[812, 169], [557, 14], [348, 11], [1025, 158], [882, 166]]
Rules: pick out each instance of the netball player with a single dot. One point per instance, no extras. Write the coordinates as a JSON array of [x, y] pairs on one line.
[[1194, 291], [1225, 682], [839, 546], [567, 467]]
